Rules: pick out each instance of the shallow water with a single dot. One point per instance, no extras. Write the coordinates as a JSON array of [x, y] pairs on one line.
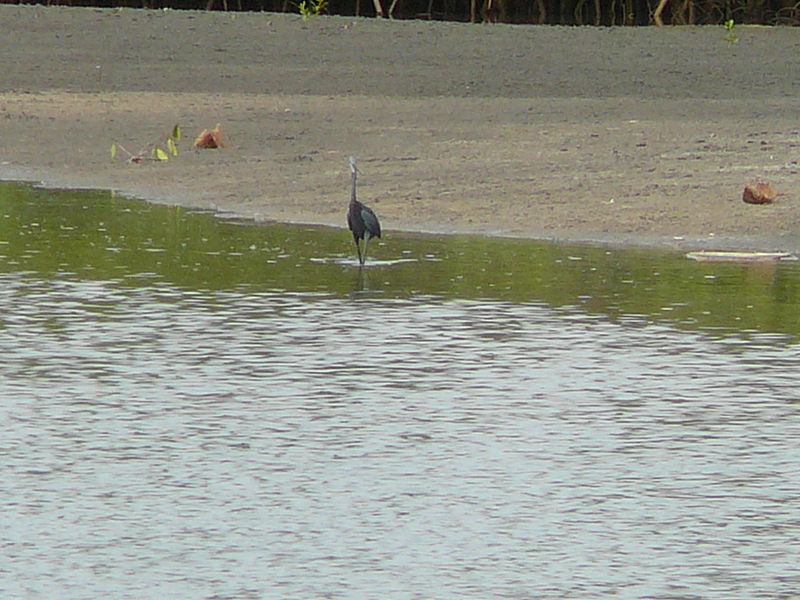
[[194, 408]]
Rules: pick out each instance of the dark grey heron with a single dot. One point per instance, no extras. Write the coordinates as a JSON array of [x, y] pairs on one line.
[[361, 220]]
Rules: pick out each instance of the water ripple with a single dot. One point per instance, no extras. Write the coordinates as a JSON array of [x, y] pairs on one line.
[[166, 443]]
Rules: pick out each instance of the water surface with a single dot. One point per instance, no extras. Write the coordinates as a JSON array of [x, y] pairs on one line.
[[197, 408]]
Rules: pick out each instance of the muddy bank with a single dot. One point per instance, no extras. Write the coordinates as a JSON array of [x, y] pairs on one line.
[[614, 135]]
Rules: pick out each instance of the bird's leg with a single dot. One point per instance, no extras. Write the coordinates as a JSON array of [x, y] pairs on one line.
[[366, 241], [358, 251]]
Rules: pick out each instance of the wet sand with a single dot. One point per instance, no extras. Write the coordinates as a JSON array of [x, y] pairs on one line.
[[621, 135]]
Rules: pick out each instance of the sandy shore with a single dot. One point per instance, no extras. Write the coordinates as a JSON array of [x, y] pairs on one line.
[[640, 136]]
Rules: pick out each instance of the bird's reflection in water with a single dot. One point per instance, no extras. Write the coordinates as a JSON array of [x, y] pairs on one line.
[[361, 283]]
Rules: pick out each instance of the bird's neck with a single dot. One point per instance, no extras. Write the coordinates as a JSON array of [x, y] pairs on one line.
[[353, 190]]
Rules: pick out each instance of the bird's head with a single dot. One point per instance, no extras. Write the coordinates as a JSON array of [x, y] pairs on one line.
[[353, 167]]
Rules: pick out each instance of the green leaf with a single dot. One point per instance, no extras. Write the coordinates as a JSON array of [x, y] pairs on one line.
[[159, 154]]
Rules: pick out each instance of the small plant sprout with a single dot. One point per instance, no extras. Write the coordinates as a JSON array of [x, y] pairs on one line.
[[312, 8], [157, 152], [730, 33]]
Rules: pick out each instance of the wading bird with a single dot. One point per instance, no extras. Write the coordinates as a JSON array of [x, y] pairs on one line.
[[360, 219]]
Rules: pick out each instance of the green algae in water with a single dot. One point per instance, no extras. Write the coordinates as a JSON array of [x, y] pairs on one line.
[[99, 236]]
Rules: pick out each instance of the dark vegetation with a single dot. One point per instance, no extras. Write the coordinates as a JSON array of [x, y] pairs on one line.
[[550, 12]]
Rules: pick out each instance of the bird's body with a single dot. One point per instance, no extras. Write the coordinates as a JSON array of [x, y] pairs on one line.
[[361, 219]]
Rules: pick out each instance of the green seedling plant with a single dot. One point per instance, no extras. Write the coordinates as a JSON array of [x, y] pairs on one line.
[[155, 152], [312, 8], [730, 32]]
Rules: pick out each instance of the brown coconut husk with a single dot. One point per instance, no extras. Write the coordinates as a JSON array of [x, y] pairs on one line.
[[758, 192], [210, 138]]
